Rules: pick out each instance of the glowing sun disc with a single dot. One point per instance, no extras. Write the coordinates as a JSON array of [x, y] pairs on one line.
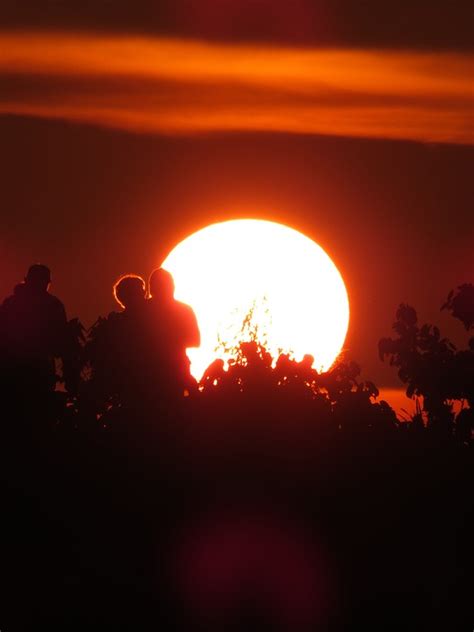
[[299, 300]]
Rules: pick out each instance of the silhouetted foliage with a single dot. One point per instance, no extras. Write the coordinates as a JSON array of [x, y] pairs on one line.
[[431, 366], [128, 505], [461, 304]]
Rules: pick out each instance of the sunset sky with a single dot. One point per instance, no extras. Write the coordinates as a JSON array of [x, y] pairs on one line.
[[126, 126]]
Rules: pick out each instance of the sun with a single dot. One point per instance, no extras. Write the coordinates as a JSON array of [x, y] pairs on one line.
[[295, 294]]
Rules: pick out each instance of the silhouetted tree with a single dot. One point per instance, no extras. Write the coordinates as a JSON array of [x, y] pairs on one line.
[[460, 303], [376, 509], [430, 365]]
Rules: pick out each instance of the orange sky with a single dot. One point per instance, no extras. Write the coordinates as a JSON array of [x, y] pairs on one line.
[[183, 86]]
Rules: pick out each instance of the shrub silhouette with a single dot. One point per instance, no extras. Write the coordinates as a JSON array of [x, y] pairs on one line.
[[435, 372], [460, 303], [98, 500]]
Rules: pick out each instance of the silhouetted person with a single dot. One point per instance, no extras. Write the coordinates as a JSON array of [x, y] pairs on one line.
[[129, 292], [33, 332], [117, 347], [175, 329]]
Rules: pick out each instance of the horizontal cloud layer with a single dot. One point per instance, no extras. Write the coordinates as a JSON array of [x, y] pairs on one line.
[[185, 86]]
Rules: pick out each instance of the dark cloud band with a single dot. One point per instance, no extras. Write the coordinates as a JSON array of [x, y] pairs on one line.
[[160, 85]]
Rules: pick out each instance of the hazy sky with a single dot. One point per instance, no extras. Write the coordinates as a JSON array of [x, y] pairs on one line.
[[125, 127]]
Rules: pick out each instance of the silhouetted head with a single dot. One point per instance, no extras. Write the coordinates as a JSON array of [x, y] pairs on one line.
[[38, 277], [129, 291], [161, 284]]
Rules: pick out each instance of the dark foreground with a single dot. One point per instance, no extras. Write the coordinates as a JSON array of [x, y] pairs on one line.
[[233, 514]]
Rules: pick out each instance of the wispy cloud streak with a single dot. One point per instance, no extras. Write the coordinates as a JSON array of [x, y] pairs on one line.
[[184, 86]]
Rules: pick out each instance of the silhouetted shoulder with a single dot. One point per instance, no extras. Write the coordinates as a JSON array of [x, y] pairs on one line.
[[187, 320], [18, 292], [6, 303], [55, 304], [112, 317], [185, 309]]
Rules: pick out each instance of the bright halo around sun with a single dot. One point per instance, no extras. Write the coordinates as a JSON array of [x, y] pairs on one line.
[[294, 292]]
